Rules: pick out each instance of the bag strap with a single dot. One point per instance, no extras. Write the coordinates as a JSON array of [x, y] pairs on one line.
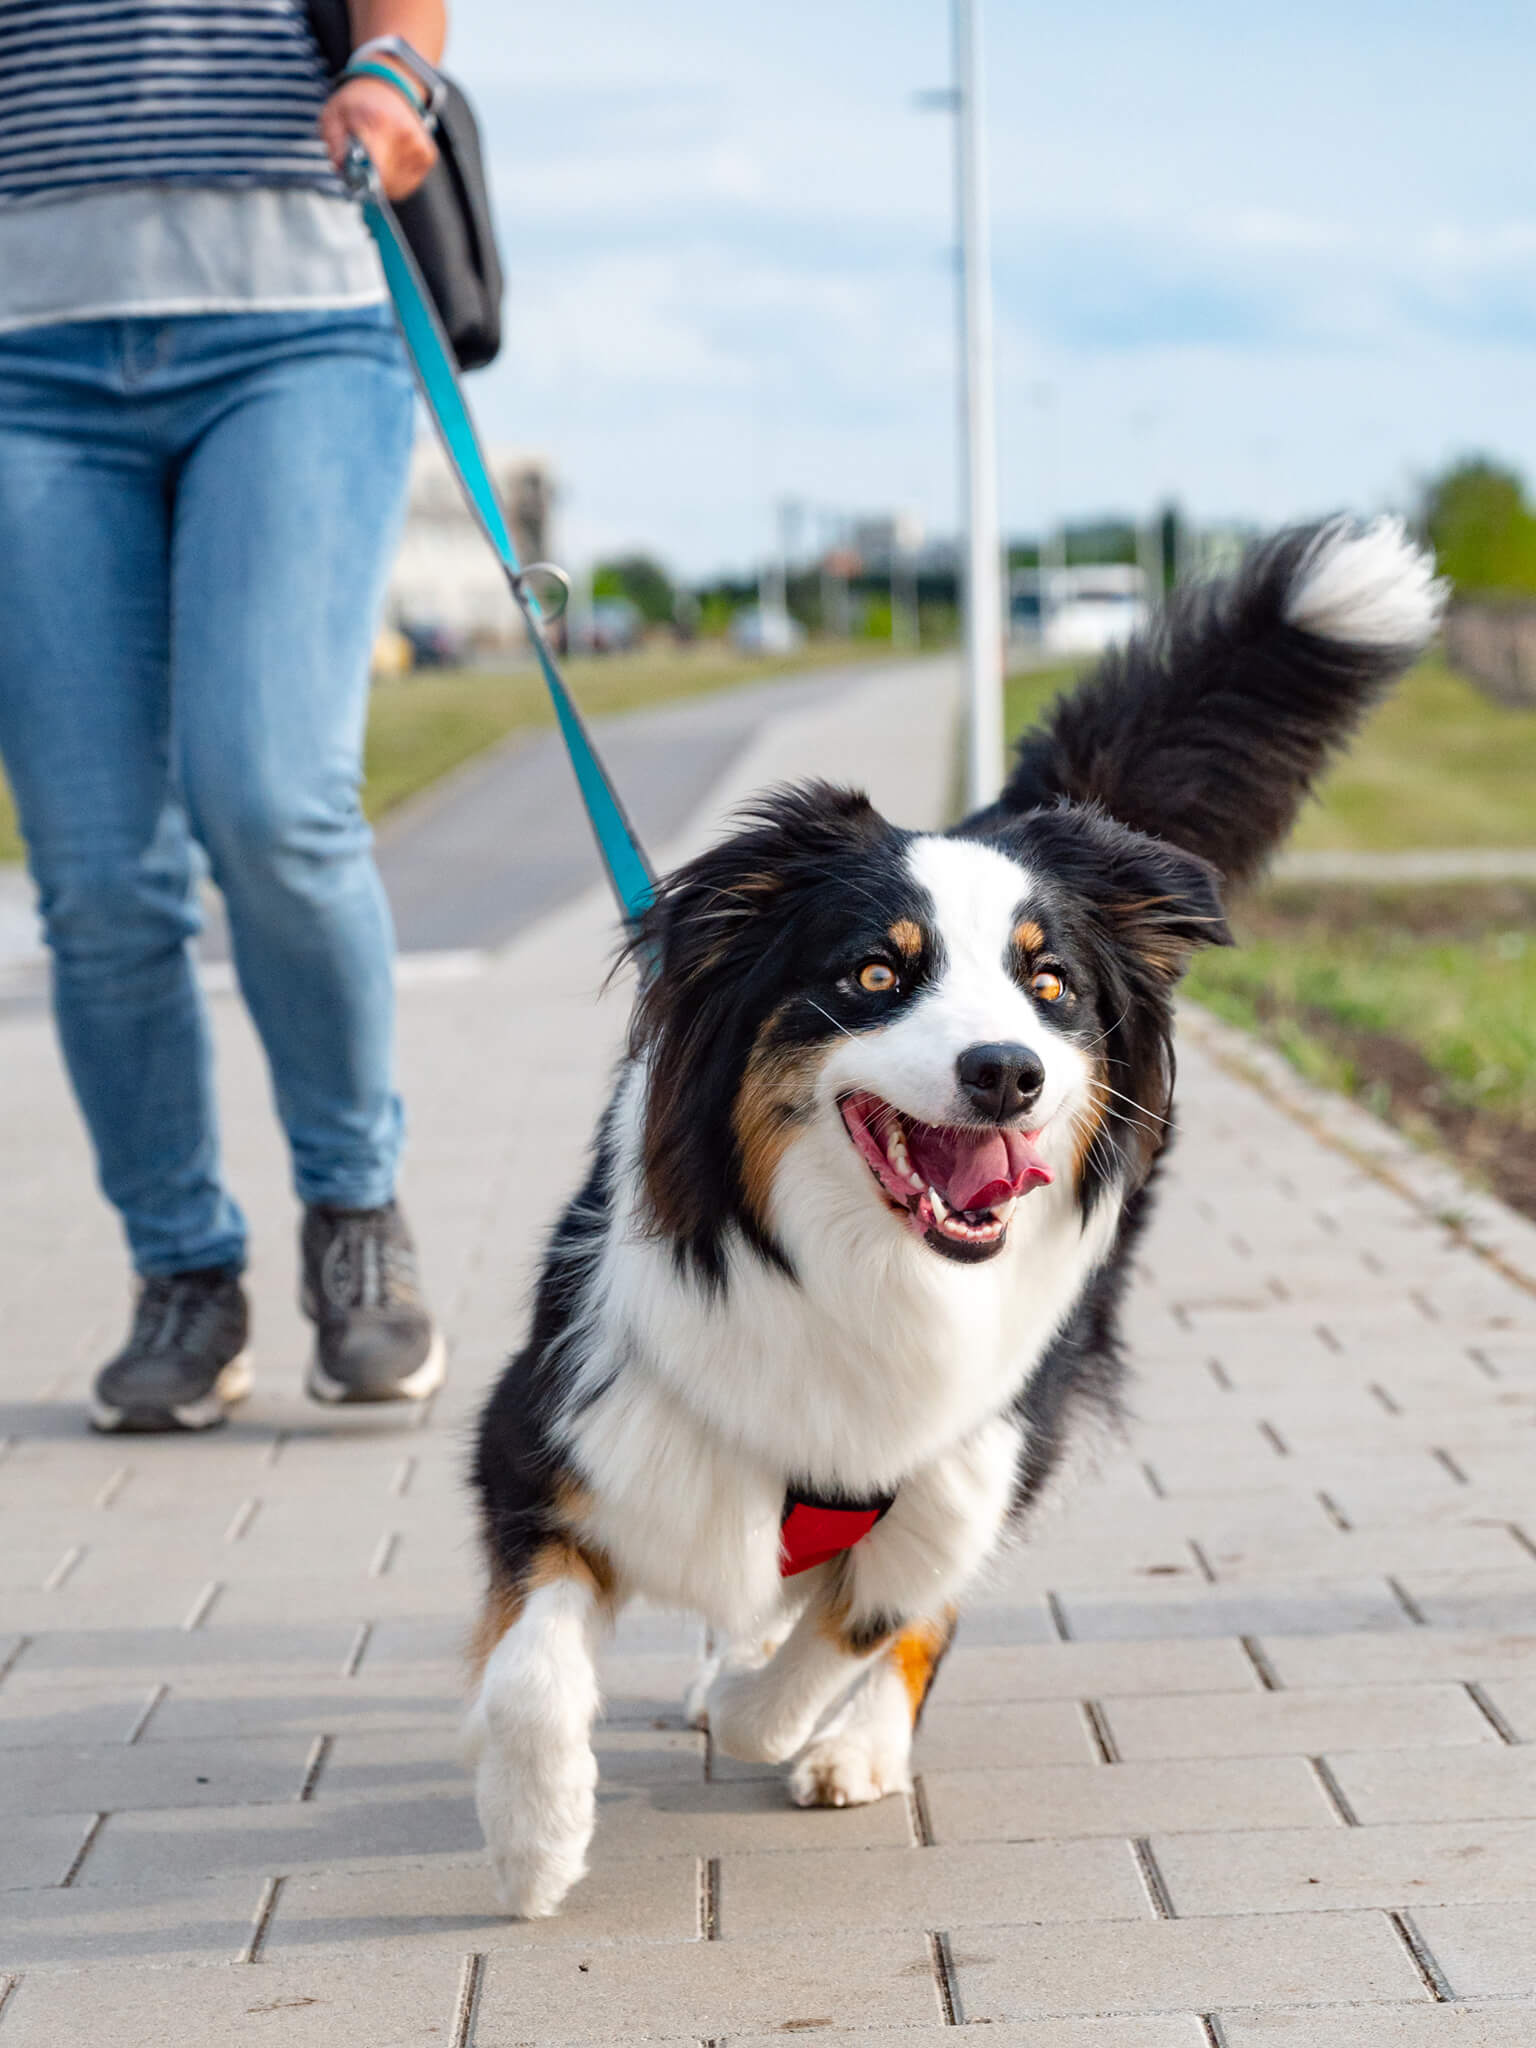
[[629, 872]]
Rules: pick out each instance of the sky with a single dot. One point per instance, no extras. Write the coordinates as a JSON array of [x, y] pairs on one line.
[[1269, 262]]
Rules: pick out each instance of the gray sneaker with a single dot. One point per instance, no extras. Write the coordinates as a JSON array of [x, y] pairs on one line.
[[374, 1337], [185, 1363]]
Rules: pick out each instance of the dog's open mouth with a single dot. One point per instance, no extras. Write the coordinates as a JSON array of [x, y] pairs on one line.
[[956, 1184]]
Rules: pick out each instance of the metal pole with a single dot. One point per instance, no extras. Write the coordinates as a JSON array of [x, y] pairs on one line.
[[978, 434]]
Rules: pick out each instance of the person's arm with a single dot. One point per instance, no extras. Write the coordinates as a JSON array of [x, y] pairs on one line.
[[381, 119]]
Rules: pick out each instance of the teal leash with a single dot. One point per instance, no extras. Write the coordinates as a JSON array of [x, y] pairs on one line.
[[437, 375]]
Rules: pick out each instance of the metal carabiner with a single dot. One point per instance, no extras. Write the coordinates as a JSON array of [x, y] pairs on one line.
[[556, 576], [358, 173]]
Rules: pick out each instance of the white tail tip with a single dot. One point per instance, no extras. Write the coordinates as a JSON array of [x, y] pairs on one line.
[[1369, 586]]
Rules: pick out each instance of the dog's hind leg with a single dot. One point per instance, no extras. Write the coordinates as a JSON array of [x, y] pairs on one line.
[[529, 1730], [865, 1750]]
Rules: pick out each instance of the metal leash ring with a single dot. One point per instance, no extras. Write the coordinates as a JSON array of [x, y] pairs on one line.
[[553, 576]]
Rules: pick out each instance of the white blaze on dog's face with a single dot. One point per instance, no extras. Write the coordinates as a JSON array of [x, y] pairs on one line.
[[963, 1092]]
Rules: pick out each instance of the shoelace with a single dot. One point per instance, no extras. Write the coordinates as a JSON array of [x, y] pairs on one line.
[[365, 1267]]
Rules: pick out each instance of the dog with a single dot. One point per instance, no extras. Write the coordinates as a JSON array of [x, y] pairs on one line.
[[844, 1276]]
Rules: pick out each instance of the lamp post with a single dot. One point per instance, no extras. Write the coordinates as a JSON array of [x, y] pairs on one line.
[[981, 569]]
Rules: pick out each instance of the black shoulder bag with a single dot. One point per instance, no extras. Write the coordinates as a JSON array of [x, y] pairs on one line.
[[447, 219]]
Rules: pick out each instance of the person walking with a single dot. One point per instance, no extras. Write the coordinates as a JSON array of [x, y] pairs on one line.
[[206, 421]]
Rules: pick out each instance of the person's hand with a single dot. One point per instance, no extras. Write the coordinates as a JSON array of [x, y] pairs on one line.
[[396, 139]]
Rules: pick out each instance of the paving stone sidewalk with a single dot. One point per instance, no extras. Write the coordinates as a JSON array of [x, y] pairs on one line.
[[1242, 1750]]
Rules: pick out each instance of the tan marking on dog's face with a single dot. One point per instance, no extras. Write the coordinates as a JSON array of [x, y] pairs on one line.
[[915, 1655], [907, 938], [1029, 937], [777, 1094]]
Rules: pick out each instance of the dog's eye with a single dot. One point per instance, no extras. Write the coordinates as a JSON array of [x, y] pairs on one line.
[[1047, 984], [876, 978]]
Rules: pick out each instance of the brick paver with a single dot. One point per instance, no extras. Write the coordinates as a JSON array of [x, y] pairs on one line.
[[1241, 1750]]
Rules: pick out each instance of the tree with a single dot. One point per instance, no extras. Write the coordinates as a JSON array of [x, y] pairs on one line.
[[1482, 529], [643, 581]]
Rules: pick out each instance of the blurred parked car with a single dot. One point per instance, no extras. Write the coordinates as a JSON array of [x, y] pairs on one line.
[[611, 625], [434, 645], [1081, 610], [762, 629]]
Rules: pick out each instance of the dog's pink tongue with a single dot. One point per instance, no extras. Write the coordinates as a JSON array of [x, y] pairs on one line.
[[976, 1169]]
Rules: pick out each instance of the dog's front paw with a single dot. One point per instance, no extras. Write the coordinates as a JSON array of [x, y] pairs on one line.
[[863, 1753], [848, 1770], [747, 1719]]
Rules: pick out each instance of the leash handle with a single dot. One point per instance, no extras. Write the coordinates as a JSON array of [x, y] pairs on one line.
[[437, 377]]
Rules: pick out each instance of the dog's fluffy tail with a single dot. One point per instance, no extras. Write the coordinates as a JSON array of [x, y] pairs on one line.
[[1209, 728]]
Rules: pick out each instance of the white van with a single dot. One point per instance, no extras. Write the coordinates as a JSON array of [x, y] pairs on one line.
[[1081, 610]]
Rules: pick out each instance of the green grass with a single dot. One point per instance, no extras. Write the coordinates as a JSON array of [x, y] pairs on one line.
[[1451, 973], [1032, 691], [1439, 765], [422, 725]]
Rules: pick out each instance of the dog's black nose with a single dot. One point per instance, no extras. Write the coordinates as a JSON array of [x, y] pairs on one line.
[[1000, 1081]]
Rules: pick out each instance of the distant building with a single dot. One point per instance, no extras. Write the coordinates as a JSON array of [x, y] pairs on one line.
[[885, 536], [445, 575]]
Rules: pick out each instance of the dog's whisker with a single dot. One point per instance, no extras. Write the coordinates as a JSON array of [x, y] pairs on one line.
[[1119, 1096], [1092, 1042], [832, 1020]]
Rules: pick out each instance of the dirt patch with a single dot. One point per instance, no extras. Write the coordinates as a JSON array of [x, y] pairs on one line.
[[1397, 1081]]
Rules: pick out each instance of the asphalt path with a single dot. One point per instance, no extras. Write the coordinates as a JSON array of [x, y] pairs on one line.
[[502, 841]]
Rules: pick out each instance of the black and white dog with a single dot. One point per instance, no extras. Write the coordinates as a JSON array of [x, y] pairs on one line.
[[846, 1267]]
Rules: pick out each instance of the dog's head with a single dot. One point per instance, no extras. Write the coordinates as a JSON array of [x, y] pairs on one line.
[[949, 1023]]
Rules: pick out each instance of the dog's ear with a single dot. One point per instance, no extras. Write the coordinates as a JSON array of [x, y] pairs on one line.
[[713, 952], [1153, 899], [1166, 902]]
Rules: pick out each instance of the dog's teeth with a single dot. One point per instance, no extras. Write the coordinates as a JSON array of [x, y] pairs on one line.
[[896, 1151], [939, 1210], [1005, 1209]]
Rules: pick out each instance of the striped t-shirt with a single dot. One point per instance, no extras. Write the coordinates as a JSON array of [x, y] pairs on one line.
[[102, 93]]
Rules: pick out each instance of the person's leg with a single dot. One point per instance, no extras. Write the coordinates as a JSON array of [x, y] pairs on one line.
[[287, 510], [288, 506], [85, 736]]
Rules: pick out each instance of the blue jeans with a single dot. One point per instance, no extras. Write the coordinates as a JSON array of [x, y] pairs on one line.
[[197, 517]]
